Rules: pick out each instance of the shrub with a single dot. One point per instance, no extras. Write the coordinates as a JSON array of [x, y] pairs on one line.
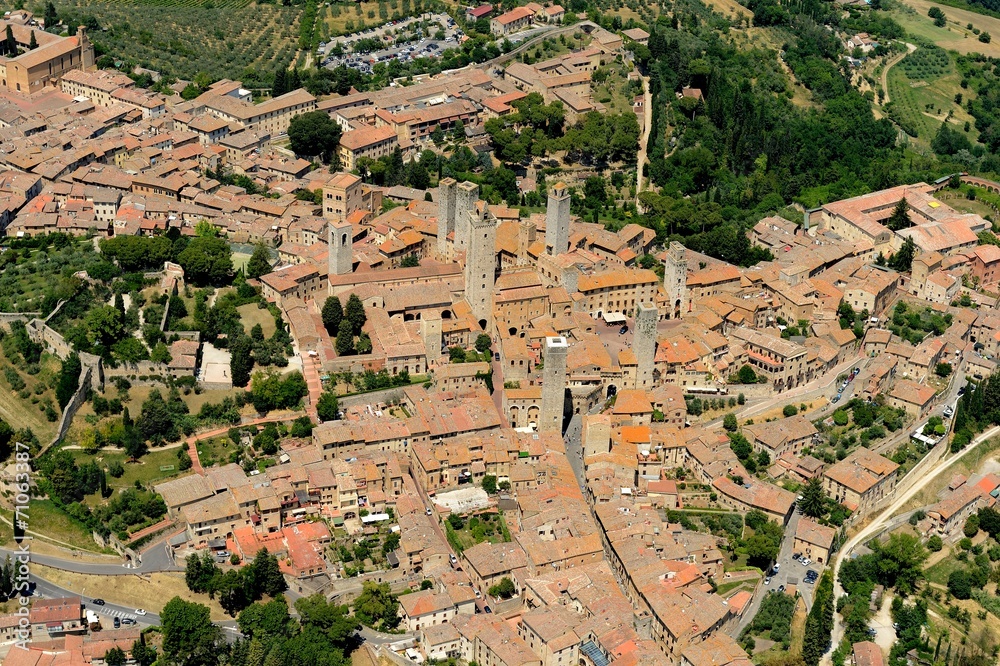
[[790, 410], [934, 544]]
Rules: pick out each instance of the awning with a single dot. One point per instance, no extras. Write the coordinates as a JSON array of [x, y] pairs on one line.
[[614, 318]]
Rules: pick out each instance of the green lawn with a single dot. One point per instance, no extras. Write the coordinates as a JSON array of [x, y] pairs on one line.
[[726, 588], [45, 518], [215, 450], [939, 572], [147, 470], [251, 315]]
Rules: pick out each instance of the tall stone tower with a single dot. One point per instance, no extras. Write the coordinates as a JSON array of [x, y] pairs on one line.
[[465, 208], [675, 280], [557, 220], [480, 263], [527, 232], [430, 331], [596, 435], [341, 255], [447, 195], [644, 345], [553, 385]]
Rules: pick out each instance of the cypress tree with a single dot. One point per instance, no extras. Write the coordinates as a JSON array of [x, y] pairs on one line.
[[333, 313], [240, 361], [10, 45], [33, 44], [280, 85], [345, 339], [355, 313]]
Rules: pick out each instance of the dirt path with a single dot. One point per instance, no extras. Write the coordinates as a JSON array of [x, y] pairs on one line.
[[910, 48], [647, 108]]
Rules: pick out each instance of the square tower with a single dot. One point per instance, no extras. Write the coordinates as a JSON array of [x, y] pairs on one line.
[[550, 419], [465, 209], [341, 254], [675, 271], [557, 220], [644, 345], [447, 194], [480, 264]]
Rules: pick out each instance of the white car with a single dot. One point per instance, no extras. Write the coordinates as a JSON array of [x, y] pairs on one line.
[[767, 581], [140, 611], [805, 561]]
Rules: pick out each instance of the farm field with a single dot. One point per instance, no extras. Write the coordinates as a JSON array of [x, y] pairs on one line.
[[954, 36], [185, 37], [922, 88]]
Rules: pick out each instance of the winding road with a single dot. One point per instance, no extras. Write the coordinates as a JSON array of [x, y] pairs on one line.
[[873, 528]]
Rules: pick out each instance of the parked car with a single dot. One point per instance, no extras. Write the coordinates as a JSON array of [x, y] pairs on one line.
[[623, 330], [781, 588], [428, 511], [127, 620], [118, 623], [97, 602], [496, 356], [767, 581], [806, 561]]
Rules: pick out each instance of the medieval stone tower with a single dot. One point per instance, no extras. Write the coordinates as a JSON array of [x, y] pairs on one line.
[[644, 345], [341, 255], [553, 385], [465, 209], [557, 220], [447, 194], [480, 263], [430, 331], [527, 232], [675, 280]]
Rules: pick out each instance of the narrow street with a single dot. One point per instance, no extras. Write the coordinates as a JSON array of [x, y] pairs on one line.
[[647, 108], [790, 572]]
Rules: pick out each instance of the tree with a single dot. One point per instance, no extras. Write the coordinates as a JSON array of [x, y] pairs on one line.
[[410, 261], [960, 584], [345, 339], [729, 422], [819, 622], [989, 521], [333, 312], [189, 637], [10, 44], [259, 262], [376, 606], [935, 544], [747, 375], [327, 407], [790, 410], [32, 45], [240, 360], [762, 548], [314, 134], [264, 575], [813, 502], [900, 218], [490, 484], [205, 229], [903, 260], [69, 380], [942, 369], [280, 84], [900, 562], [143, 654], [51, 18], [115, 656], [355, 314], [483, 343], [503, 590], [207, 261], [740, 446], [971, 527]]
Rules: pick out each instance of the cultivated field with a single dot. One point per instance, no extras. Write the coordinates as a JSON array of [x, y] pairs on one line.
[[185, 37], [955, 35], [925, 102]]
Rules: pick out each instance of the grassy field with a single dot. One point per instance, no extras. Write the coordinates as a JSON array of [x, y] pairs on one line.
[[149, 592], [215, 450], [45, 518], [24, 412], [955, 35], [250, 315], [146, 470]]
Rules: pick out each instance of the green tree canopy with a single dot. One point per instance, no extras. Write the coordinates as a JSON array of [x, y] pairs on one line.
[[189, 637], [314, 134]]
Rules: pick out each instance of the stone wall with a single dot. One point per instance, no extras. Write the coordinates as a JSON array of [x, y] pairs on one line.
[[7, 318], [748, 391], [394, 395], [135, 371]]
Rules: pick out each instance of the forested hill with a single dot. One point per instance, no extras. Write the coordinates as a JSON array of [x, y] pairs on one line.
[[745, 150]]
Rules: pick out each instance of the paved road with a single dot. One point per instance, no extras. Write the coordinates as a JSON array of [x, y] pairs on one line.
[[155, 559], [47, 590], [789, 572], [924, 476]]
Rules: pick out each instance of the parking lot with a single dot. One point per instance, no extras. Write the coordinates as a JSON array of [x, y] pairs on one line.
[[404, 40]]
